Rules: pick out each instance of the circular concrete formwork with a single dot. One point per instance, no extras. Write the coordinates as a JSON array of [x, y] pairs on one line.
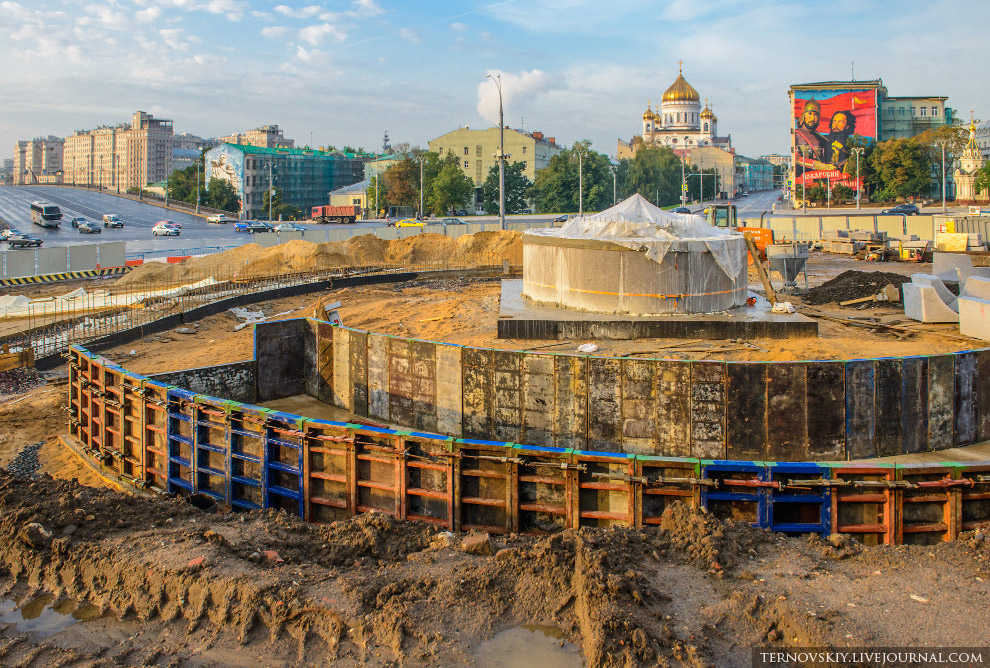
[[604, 277]]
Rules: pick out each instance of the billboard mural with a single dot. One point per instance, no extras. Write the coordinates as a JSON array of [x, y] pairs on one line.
[[227, 164], [824, 122]]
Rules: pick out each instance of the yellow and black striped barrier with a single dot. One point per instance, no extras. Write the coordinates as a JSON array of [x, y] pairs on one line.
[[64, 276]]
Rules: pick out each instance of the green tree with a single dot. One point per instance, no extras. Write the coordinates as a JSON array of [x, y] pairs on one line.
[[903, 167], [869, 175], [654, 173], [221, 195], [712, 183], [817, 194], [982, 182], [841, 193], [516, 187], [556, 186], [450, 188], [402, 181]]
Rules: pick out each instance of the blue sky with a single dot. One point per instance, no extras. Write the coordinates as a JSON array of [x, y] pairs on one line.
[[346, 70]]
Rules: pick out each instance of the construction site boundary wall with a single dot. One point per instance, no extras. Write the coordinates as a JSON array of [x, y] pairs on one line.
[[161, 438], [61, 259], [814, 228]]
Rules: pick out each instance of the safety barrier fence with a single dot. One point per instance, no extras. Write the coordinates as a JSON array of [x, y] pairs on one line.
[[814, 228], [165, 439], [51, 260]]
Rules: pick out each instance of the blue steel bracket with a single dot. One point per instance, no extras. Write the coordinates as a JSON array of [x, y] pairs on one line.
[[719, 491], [805, 484]]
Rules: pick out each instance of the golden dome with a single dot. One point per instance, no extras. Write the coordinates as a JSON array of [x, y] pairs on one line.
[[648, 115], [680, 90], [707, 114]]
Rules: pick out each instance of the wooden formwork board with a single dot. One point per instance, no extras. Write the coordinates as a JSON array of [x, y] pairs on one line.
[[377, 464], [666, 480], [545, 484], [428, 478], [928, 509], [606, 490], [974, 497], [485, 490], [328, 451], [155, 434], [863, 503]]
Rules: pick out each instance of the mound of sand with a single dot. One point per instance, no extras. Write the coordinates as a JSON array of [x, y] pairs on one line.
[[251, 260]]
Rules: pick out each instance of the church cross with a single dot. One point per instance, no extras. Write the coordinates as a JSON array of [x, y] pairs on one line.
[[680, 65]]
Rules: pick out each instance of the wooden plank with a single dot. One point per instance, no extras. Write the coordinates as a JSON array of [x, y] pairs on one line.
[[914, 404], [378, 377], [827, 413], [423, 370], [537, 399], [477, 388], [449, 410], [860, 409], [571, 402], [400, 383], [639, 407], [324, 353], [604, 404], [966, 399], [507, 409], [674, 408], [941, 401], [359, 371], [889, 400], [787, 412], [746, 410], [708, 410], [342, 394]]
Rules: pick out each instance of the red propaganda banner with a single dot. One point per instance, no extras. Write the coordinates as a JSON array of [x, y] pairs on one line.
[[825, 121]]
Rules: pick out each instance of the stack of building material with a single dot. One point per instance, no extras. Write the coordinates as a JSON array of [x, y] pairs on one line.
[[958, 241]]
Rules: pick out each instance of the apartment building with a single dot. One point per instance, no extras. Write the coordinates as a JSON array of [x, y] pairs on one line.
[[477, 149], [267, 136], [37, 161], [123, 156]]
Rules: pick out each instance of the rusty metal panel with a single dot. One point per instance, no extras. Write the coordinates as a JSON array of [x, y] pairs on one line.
[[449, 411], [359, 371], [890, 400], [400, 382], [860, 409], [571, 404], [477, 367], [787, 412], [537, 401], [746, 410], [966, 399], [914, 406], [604, 400], [674, 408], [826, 416], [324, 353], [423, 365], [708, 410], [983, 395], [941, 401], [342, 394], [639, 407], [378, 376], [508, 408]]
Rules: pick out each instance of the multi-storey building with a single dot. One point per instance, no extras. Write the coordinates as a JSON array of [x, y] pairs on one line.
[[187, 148], [304, 177], [983, 138], [756, 174], [38, 161], [123, 156], [267, 136]]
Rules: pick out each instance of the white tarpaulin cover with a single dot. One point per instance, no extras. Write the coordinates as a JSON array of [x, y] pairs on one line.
[[635, 223]]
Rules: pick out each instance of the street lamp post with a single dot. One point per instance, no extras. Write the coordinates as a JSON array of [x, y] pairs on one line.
[[858, 151], [614, 169], [580, 185], [501, 153], [197, 186], [421, 214], [943, 143], [269, 191], [683, 183]]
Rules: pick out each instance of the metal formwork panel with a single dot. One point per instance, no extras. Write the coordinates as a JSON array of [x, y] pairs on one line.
[[890, 402], [800, 500], [95, 415], [914, 407], [860, 409], [570, 404], [485, 491], [400, 381], [537, 399], [746, 412], [247, 427], [428, 478], [674, 408], [639, 407], [737, 492], [377, 465], [477, 369], [787, 411], [507, 408], [181, 441], [983, 395], [328, 449], [941, 402], [544, 484], [708, 409], [358, 360], [113, 421], [132, 428], [827, 422], [378, 383], [283, 467], [666, 480], [324, 361], [966, 399], [604, 404], [606, 491], [974, 496], [212, 443], [78, 375], [863, 502], [927, 504], [423, 374], [155, 434]]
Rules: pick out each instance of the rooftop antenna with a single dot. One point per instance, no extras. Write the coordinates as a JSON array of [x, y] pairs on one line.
[[852, 70]]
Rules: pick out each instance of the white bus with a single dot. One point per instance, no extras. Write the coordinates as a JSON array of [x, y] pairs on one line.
[[46, 214]]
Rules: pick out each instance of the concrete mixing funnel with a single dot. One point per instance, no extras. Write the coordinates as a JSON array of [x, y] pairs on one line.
[[789, 260]]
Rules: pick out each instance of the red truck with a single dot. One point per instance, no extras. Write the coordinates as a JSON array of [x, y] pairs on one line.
[[335, 214]]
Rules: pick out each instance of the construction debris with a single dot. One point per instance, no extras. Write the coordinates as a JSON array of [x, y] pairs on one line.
[[853, 284]]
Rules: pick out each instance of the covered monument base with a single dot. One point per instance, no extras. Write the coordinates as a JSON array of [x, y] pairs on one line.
[[521, 318]]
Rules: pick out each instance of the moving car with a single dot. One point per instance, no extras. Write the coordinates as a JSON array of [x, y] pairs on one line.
[[903, 209], [112, 220], [410, 222], [89, 228], [452, 221], [681, 209], [259, 226], [290, 227], [76, 222], [11, 232], [217, 218], [460, 212], [560, 219], [165, 230], [170, 223], [23, 241]]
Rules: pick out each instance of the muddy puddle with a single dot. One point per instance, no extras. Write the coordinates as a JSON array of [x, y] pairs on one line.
[[43, 616], [529, 646]]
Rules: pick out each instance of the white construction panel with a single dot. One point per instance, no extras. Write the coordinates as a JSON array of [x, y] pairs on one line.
[[974, 317], [285, 237], [112, 254], [82, 257], [53, 260], [20, 263]]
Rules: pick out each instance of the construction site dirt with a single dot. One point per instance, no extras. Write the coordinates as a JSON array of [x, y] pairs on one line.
[[94, 576]]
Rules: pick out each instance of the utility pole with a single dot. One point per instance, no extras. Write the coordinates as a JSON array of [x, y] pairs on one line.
[[501, 153], [421, 186], [580, 185], [615, 169], [828, 192], [269, 191], [943, 143], [858, 151], [197, 186], [683, 183]]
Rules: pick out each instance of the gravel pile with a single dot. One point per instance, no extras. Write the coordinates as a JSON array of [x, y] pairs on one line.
[[853, 284], [16, 381], [26, 461]]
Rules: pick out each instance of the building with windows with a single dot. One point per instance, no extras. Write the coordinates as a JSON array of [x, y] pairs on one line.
[[756, 174], [38, 161], [983, 138], [187, 148], [122, 156], [477, 150], [355, 194], [970, 162], [303, 177], [776, 159], [267, 136]]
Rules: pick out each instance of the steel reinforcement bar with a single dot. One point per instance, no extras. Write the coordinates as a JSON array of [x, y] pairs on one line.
[[164, 439]]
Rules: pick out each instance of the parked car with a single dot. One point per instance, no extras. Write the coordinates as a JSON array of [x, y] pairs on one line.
[[170, 223], [903, 209], [460, 212], [242, 226], [260, 226], [290, 227], [217, 218], [89, 228], [452, 221], [560, 219], [681, 209], [76, 222], [10, 232], [164, 230], [23, 241], [112, 220]]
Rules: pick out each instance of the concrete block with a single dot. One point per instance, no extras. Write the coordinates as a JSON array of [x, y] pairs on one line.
[[963, 274], [935, 282], [944, 265], [977, 286], [922, 303], [974, 317]]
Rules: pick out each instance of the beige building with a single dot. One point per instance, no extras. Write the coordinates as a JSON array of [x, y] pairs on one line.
[[352, 195], [970, 163], [38, 161], [724, 162], [477, 149], [267, 136], [123, 156]]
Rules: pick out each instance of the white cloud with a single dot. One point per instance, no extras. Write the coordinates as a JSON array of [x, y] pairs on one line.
[[173, 38], [458, 27], [365, 8], [148, 15], [302, 13], [265, 16], [315, 34], [411, 35], [518, 91], [275, 31], [108, 18], [308, 55]]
